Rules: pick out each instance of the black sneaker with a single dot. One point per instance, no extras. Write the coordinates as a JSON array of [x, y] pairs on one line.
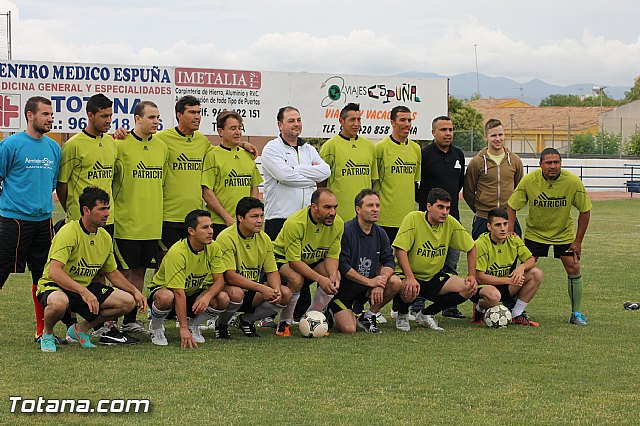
[[453, 312], [368, 324], [58, 340], [115, 337], [248, 328], [222, 332]]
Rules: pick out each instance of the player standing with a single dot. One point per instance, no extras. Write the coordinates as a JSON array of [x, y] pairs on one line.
[[29, 163], [137, 190], [550, 192]]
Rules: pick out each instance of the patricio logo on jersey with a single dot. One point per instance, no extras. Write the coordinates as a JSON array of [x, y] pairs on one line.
[[544, 200], [351, 168], [428, 250], [237, 179], [142, 171], [309, 253], [403, 168], [249, 273], [185, 163], [194, 280], [99, 171], [498, 270], [84, 269]]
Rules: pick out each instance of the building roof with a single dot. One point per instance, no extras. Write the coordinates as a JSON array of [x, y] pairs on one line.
[[529, 117]]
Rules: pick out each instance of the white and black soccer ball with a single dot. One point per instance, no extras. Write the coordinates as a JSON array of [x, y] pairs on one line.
[[313, 324], [497, 316]]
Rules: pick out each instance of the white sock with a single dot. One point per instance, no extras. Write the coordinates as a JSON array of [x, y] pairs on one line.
[[320, 300], [287, 312], [479, 309], [519, 308], [226, 316], [263, 310], [208, 314], [157, 316]]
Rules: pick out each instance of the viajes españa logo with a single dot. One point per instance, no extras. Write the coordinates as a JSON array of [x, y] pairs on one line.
[[338, 91]]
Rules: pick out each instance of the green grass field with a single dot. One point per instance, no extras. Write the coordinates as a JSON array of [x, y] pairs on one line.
[[554, 374]]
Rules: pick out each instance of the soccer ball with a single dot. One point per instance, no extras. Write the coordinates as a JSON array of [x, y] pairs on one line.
[[497, 316], [313, 324]]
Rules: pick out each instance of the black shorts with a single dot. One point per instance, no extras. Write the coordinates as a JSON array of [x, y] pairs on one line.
[[24, 243], [542, 250], [109, 228], [281, 261], [172, 232], [272, 227], [76, 304], [505, 294], [247, 302], [191, 299], [391, 232], [349, 292], [218, 228], [132, 254], [431, 289]]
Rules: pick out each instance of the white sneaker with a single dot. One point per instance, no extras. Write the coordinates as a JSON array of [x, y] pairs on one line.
[[134, 327], [380, 319], [402, 323], [196, 334], [394, 314], [411, 316], [157, 336], [428, 321]]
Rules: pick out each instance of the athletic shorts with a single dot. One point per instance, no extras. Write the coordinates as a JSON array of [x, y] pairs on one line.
[[172, 232], [348, 293], [431, 289], [24, 243], [542, 249], [76, 304], [505, 295], [391, 232], [217, 229], [247, 302], [281, 261], [272, 227], [132, 254], [191, 299]]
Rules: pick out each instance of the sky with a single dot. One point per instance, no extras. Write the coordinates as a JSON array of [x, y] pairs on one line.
[[560, 42]]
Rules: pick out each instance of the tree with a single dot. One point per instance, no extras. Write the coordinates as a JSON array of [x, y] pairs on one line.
[[632, 146], [468, 125], [574, 100], [602, 143], [633, 94]]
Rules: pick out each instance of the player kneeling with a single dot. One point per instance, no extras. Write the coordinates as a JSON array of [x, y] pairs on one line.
[[183, 283], [78, 252], [500, 280], [366, 268], [247, 254]]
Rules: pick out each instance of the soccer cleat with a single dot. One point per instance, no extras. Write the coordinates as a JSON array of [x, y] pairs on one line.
[[196, 334], [402, 322], [283, 330], [412, 315], [248, 328], [477, 318], [380, 319], [97, 332], [113, 336], [368, 324], [80, 336], [222, 332], [453, 312], [58, 340], [523, 320], [428, 321], [134, 327], [157, 336], [209, 325], [47, 343], [577, 319], [631, 306], [267, 322]]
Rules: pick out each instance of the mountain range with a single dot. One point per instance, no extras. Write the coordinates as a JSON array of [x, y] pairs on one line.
[[465, 86]]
